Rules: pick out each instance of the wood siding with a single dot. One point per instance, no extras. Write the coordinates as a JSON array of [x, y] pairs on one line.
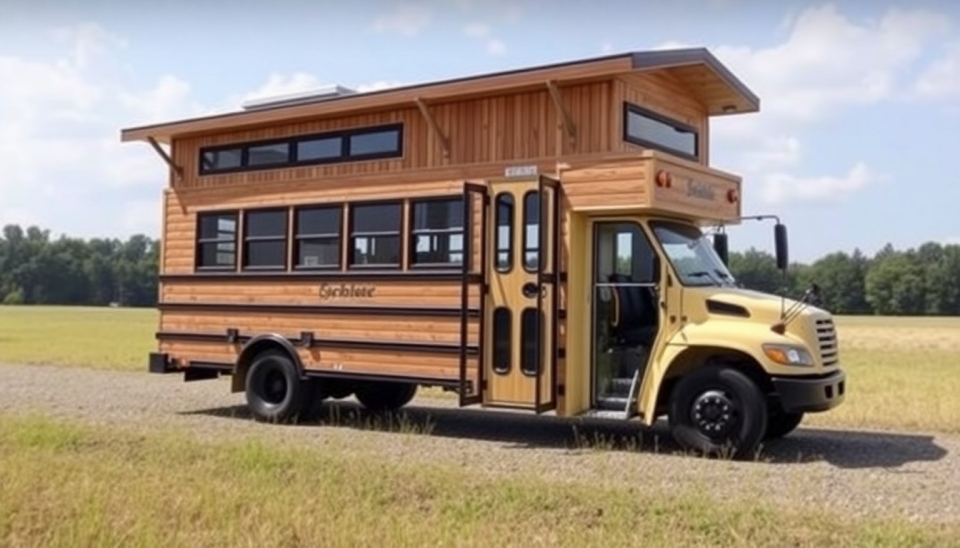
[[518, 127], [664, 94]]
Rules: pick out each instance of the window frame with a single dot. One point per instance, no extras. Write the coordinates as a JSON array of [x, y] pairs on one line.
[[412, 233], [246, 239], [298, 237], [200, 242], [293, 145], [632, 108], [352, 234], [525, 243]]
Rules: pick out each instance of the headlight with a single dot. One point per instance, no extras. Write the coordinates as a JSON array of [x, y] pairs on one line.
[[788, 355]]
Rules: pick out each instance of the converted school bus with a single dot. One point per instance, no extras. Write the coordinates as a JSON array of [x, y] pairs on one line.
[[497, 235]]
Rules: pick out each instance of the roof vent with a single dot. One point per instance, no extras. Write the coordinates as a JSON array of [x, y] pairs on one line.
[[313, 96]]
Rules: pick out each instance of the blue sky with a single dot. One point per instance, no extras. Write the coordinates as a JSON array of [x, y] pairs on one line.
[[860, 100]]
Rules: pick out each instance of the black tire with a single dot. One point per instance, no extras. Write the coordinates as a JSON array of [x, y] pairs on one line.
[[274, 390], [732, 411], [382, 396], [781, 423]]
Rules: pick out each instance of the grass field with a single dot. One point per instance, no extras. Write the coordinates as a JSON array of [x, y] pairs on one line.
[[904, 373], [70, 485]]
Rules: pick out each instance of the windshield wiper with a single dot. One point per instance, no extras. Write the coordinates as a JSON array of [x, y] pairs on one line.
[[701, 274]]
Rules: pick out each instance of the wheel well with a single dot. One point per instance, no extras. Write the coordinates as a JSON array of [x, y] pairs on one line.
[[252, 349], [700, 356]]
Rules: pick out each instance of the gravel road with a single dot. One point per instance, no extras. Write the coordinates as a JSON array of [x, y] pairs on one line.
[[914, 475]]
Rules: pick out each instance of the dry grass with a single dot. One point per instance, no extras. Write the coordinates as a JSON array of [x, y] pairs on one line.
[[101, 338], [904, 373], [66, 485]]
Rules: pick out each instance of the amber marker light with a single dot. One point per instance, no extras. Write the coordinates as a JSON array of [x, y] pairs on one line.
[[664, 179]]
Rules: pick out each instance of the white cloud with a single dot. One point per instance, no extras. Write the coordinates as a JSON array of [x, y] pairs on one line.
[[942, 77], [826, 63], [829, 62], [482, 31], [477, 30], [407, 20], [783, 188], [64, 165], [495, 46]]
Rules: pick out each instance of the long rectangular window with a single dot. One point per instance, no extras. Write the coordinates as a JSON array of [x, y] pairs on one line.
[[216, 241], [437, 232], [649, 129], [375, 234], [265, 239], [330, 147], [318, 237]]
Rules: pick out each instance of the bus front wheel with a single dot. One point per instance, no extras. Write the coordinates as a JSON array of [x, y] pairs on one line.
[[718, 410]]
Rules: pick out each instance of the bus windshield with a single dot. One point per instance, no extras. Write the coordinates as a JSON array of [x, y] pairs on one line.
[[692, 255]]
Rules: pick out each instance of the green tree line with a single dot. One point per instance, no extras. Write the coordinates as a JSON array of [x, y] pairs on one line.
[[913, 282], [35, 269]]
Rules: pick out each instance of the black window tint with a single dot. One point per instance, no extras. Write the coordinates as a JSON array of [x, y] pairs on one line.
[[502, 340], [381, 142], [266, 224], [376, 218], [531, 231], [213, 160], [655, 131], [265, 239], [217, 241], [268, 154], [530, 334], [319, 252], [319, 149], [438, 232], [504, 234], [353, 144], [319, 221], [266, 253], [375, 234], [318, 236]]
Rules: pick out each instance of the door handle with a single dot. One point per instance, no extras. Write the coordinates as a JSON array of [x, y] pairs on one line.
[[529, 290]]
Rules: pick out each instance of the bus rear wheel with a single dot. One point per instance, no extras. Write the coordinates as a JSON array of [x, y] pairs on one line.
[[718, 410], [382, 396], [274, 390]]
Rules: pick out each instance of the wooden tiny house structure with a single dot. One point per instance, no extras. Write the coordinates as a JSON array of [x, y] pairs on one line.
[[447, 233]]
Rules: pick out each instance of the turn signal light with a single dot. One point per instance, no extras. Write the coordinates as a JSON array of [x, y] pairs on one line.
[[664, 179], [732, 196]]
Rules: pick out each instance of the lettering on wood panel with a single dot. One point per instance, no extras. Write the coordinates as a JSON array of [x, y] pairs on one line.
[[345, 291]]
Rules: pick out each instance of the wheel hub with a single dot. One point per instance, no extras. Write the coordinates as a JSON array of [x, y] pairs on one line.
[[713, 412], [275, 387]]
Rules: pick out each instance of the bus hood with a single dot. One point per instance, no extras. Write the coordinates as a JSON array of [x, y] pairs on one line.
[[756, 306]]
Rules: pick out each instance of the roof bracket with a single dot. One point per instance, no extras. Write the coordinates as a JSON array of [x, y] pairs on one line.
[[166, 158], [434, 126], [562, 111]]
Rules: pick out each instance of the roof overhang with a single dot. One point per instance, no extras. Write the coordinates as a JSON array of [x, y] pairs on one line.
[[719, 90]]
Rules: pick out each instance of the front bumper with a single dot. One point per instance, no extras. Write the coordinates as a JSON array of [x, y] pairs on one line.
[[811, 395]]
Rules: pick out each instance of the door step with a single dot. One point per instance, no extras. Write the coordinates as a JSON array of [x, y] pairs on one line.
[[605, 414]]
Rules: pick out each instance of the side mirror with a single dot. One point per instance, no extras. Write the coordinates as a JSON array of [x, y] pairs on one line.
[[655, 275], [721, 247], [780, 238]]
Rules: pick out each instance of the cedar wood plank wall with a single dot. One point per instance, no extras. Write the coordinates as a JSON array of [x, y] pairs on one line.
[[484, 135]]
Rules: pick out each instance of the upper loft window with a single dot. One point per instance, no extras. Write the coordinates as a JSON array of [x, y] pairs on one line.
[[649, 129], [331, 147]]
